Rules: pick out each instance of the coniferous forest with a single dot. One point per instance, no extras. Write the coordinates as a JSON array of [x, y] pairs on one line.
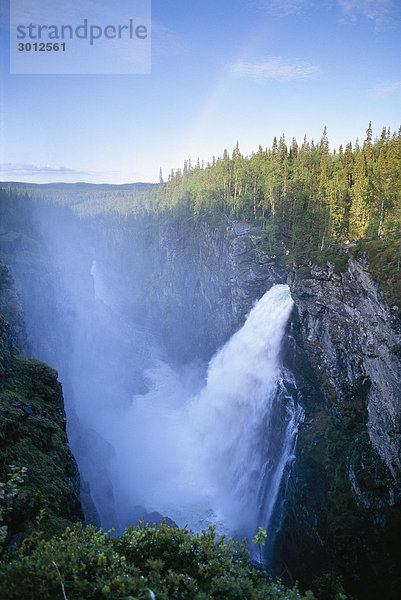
[[303, 196]]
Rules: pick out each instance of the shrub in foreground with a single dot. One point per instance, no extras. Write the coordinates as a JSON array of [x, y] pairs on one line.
[[152, 563]]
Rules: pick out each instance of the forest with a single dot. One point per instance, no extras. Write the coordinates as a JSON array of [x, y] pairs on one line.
[[302, 196]]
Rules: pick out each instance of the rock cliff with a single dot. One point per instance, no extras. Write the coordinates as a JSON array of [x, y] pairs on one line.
[[32, 431], [353, 339], [344, 492], [213, 278]]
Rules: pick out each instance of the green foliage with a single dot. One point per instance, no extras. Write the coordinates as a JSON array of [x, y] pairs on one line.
[[85, 199], [160, 563], [304, 272], [329, 587], [260, 540], [332, 256], [385, 264], [32, 436], [304, 196], [8, 492]]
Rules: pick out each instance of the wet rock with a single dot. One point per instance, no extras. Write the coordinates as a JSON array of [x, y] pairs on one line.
[[347, 331], [343, 496]]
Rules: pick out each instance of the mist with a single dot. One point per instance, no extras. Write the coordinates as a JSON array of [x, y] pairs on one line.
[[194, 440]]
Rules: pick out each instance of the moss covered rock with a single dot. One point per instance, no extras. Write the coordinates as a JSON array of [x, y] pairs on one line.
[[32, 432]]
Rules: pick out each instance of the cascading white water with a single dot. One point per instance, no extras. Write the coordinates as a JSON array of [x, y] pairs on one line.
[[234, 416], [219, 455]]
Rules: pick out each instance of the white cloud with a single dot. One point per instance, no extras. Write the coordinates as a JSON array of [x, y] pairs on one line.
[[26, 169], [384, 90], [382, 12], [376, 10], [274, 68]]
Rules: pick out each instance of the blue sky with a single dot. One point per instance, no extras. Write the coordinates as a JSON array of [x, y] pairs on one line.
[[221, 71]]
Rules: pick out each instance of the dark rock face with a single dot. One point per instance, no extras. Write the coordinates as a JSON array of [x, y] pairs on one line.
[[351, 336], [11, 309], [214, 281], [344, 493], [32, 432]]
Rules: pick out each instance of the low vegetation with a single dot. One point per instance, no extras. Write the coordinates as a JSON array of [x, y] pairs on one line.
[[146, 563]]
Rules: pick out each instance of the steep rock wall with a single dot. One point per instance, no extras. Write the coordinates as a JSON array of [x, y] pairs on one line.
[[32, 431], [351, 336], [344, 492]]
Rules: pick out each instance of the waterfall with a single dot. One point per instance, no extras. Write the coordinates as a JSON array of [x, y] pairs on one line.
[[244, 426], [217, 455]]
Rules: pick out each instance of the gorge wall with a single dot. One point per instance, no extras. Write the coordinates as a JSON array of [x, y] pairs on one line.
[[32, 432], [192, 282], [344, 490]]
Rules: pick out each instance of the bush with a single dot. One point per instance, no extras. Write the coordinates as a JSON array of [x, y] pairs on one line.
[[334, 255], [161, 563], [329, 587]]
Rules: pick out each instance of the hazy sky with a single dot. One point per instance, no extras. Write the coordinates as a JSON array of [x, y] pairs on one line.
[[222, 70]]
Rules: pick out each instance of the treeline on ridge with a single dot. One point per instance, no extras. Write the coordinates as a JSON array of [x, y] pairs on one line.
[[302, 196], [306, 201]]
